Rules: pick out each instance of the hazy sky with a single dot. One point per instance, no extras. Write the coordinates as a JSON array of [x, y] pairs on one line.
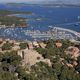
[[73, 1]]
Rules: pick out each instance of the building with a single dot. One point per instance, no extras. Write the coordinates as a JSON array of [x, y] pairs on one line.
[[30, 45], [73, 51], [35, 44], [42, 45], [58, 44]]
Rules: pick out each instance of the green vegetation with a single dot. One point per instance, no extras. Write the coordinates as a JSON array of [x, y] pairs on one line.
[[9, 61], [7, 46], [10, 20], [23, 45], [7, 12], [7, 76], [78, 66], [52, 51], [62, 72], [10, 64], [7, 18]]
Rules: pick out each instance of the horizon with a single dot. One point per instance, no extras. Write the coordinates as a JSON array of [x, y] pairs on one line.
[[40, 1]]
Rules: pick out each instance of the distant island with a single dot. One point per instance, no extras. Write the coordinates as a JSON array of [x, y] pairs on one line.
[[63, 5], [8, 20], [54, 4]]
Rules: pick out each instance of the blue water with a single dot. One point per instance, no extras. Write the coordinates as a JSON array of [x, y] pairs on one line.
[[55, 16]]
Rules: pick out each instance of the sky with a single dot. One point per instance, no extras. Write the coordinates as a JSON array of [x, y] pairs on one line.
[[68, 1]]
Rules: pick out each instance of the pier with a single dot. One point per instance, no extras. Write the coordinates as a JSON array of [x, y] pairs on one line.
[[68, 30], [72, 23]]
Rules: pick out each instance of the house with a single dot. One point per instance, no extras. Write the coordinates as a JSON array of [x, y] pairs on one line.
[[1, 40], [47, 61], [16, 48], [73, 51], [58, 44], [35, 44], [42, 45], [30, 45], [22, 52]]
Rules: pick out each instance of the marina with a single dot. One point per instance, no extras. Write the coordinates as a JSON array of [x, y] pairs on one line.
[[52, 33]]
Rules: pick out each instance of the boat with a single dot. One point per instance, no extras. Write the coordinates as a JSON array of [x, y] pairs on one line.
[[76, 24], [78, 17]]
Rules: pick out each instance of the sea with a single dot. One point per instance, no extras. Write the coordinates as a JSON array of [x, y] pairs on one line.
[[41, 18]]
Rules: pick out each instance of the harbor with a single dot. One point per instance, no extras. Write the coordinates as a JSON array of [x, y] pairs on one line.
[[54, 33], [31, 35]]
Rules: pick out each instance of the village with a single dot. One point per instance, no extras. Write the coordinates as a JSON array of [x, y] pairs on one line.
[[29, 55]]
